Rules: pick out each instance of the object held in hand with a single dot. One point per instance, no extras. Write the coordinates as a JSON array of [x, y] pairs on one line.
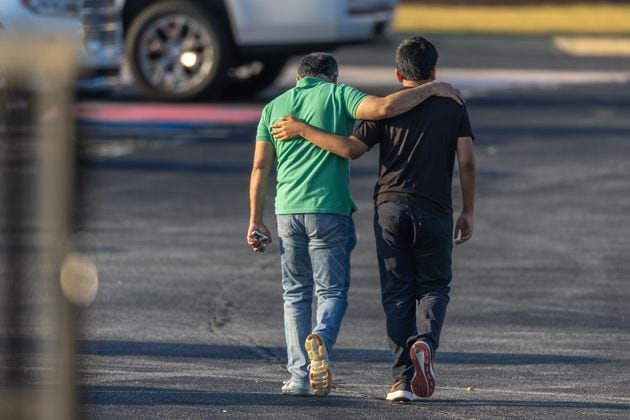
[[260, 236]]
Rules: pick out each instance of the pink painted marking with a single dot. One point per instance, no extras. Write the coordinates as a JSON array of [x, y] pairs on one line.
[[166, 113]]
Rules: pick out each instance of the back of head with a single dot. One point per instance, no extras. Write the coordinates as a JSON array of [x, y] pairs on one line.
[[320, 65], [416, 58]]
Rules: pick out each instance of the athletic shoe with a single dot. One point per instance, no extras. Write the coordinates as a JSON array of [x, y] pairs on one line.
[[400, 391], [423, 381], [319, 372], [294, 388]]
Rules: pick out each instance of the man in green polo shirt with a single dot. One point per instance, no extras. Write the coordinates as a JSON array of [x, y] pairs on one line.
[[314, 207]]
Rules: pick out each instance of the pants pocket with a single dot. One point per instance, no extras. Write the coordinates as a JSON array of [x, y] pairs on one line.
[[286, 225], [330, 228]]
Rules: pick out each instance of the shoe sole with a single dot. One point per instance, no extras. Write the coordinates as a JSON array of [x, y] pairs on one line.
[[423, 381], [319, 374], [399, 396], [296, 394]]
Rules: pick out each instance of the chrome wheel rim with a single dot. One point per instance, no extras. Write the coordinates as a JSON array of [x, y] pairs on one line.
[[176, 54]]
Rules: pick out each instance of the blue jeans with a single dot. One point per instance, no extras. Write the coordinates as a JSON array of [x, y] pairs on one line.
[[315, 251]]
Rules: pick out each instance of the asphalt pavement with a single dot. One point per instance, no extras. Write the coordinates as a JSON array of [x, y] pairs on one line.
[[187, 323]]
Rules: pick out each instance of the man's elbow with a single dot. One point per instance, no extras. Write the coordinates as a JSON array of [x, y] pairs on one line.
[[346, 153], [354, 154], [355, 148], [385, 110], [378, 109], [260, 169], [468, 165]]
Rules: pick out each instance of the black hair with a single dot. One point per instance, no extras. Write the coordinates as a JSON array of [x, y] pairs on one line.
[[416, 58], [318, 64]]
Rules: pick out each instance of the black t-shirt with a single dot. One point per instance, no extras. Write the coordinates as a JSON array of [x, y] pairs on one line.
[[417, 153]]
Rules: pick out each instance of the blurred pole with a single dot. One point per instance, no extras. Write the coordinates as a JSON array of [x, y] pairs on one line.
[[38, 135], [17, 143], [56, 187]]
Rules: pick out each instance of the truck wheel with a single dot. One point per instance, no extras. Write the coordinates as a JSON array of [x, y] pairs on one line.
[[255, 76], [177, 51]]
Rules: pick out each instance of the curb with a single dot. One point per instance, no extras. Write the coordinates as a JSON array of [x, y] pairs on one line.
[[104, 120]]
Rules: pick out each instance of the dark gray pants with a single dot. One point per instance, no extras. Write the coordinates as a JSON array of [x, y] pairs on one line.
[[414, 254]]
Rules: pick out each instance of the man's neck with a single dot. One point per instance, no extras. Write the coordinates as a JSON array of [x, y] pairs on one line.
[[414, 83]]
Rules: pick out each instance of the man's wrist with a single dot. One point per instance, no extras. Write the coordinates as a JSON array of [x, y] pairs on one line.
[[303, 130], [427, 90]]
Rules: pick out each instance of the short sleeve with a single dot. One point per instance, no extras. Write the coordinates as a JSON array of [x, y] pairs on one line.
[[465, 129], [263, 133], [352, 97], [369, 132]]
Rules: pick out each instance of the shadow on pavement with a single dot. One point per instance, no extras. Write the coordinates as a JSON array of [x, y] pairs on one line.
[[147, 396], [179, 350], [129, 395], [586, 405]]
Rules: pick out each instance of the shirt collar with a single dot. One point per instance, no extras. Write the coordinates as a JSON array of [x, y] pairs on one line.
[[307, 82]]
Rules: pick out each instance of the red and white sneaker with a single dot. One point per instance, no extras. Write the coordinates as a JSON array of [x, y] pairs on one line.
[[423, 381]]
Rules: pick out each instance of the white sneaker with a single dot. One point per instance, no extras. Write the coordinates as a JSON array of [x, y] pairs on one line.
[[400, 392], [294, 388]]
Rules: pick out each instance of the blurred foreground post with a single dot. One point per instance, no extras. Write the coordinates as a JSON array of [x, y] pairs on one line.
[[37, 164]]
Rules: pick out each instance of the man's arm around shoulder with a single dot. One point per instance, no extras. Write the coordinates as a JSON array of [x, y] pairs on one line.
[[347, 147], [378, 108]]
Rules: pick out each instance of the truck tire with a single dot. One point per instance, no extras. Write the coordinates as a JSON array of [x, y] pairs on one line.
[[178, 51]]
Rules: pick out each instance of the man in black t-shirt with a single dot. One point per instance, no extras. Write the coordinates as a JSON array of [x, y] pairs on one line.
[[413, 220]]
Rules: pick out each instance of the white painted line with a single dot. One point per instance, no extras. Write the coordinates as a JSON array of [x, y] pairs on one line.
[[476, 78], [581, 46]]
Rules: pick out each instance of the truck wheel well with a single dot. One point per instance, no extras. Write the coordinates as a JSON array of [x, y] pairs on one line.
[[132, 8]]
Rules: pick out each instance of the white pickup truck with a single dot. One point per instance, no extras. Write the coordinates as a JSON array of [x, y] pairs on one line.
[[181, 49], [185, 49], [94, 26]]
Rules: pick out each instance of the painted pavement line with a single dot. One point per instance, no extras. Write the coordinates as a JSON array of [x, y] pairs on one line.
[[476, 78], [167, 113], [582, 46]]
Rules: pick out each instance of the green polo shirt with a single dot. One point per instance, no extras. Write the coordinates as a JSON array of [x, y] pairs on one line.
[[310, 179]]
